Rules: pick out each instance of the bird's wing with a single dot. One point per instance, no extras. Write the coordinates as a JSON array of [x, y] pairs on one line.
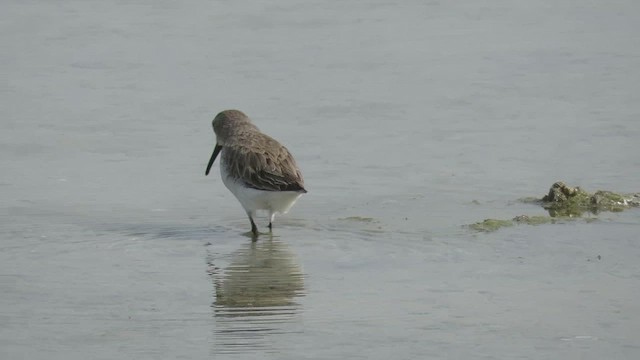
[[271, 168]]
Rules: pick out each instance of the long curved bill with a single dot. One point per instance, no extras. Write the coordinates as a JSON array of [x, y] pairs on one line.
[[216, 150]]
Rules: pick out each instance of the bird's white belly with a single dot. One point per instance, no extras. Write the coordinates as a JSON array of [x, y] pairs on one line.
[[254, 199]]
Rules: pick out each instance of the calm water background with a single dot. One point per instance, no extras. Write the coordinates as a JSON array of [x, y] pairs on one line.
[[408, 119]]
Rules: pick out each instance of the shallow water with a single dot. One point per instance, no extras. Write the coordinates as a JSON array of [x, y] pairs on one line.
[[408, 121]]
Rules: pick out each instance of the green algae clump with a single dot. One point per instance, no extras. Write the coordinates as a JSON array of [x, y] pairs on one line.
[[534, 220], [565, 203], [563, 200], [489, 225]]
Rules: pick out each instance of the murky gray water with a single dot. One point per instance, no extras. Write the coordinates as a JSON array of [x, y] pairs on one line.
[[408, 121]]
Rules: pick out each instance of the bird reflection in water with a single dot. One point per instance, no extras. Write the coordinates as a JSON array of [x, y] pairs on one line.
[[255, 297]]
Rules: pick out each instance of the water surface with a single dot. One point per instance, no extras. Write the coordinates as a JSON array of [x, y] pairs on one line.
[[408, 120]]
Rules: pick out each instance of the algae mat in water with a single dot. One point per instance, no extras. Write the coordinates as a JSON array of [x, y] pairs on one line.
[[565, 203]]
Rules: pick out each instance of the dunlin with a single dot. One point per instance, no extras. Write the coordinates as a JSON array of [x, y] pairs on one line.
[[256, 168]]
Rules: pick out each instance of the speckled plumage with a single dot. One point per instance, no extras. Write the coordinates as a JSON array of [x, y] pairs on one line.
[[251, 160]]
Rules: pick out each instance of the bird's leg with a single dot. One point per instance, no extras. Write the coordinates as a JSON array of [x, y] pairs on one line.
[[254, 228], [271, 217]]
